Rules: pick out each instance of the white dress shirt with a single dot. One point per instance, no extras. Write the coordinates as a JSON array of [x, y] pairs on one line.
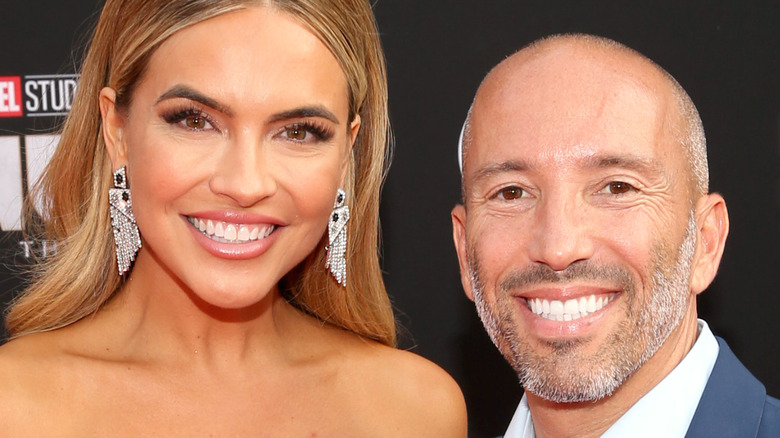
[[665, 411]]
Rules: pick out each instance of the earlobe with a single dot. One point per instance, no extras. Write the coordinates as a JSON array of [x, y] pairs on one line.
[[112, 128], [712, 227], [461, 247]]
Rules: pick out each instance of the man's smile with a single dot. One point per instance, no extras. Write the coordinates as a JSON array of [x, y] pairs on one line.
[[569, 310]]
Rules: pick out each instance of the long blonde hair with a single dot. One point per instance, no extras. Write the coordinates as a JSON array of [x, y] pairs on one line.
[[82, 276]]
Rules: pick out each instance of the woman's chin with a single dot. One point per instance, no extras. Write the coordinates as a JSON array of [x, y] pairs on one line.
[[234, 300]]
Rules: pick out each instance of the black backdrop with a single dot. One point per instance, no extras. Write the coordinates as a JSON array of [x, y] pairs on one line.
[[724, 53]]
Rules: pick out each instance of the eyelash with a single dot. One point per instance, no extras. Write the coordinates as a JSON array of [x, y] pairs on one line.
[[613, 184], [500, 194], [319, 131], [520, 192], [178, 115]]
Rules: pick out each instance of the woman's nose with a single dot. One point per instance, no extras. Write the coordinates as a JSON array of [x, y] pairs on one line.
[[244, 173]]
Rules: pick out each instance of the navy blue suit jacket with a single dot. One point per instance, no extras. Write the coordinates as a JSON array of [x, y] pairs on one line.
[[734, 403]]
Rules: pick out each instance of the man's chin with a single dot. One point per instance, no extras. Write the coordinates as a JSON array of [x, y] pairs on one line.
[[573, 370], [574, 386]]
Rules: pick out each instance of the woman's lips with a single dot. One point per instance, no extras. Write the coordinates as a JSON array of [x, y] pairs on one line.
[[230, 240]]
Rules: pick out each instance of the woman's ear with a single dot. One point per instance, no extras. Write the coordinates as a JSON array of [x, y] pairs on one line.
[[354, 128], [712, 220], [113, 128]]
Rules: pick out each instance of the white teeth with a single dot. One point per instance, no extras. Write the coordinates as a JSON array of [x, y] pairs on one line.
[[569, 310], [230, 232], [592, 303], [226, 232], [570, 307]]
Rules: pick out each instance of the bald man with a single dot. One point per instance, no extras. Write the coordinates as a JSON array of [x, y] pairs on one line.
[[585, 234]]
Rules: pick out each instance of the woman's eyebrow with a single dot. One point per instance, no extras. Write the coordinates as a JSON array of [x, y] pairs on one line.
[[185, 92], [305, 111]]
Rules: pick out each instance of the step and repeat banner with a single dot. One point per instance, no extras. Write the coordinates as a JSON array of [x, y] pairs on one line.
[[724, 53], [37, 83]]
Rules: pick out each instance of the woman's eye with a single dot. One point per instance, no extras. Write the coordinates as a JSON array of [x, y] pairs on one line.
[[510, 193], [189, 118], [296, 133], [196, 122], [618, 188], [306, 132]]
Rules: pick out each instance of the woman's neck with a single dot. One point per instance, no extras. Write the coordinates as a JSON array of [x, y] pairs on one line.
[[154, 317]]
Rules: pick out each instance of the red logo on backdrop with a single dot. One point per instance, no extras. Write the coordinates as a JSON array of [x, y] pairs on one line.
[[10, 96]]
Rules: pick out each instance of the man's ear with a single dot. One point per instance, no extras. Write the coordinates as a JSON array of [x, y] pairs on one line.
[[712, 226], [113, 128], [461, 247]]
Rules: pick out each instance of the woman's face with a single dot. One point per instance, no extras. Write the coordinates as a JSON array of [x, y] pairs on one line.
[[235, 141]]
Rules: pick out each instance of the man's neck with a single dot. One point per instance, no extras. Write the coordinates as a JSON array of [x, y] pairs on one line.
[[592, 419]]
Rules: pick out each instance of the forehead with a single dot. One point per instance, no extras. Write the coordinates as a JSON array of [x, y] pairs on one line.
[[251, 56], [565, 107]]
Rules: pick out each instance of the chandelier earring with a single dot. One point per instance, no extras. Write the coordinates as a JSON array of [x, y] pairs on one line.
[[337, 239], [126, 236]]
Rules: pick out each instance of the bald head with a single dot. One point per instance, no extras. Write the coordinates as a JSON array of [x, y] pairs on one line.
[[585, 178], [576, 69]]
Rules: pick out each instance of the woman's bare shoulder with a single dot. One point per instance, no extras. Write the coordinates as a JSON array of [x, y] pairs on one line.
[[411, 394], [27, 383], [24, 359]]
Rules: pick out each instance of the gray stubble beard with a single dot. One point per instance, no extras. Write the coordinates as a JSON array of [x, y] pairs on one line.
[[564, 375]]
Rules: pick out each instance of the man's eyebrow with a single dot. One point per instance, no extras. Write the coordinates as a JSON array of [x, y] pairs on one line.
[[185, 92], [630, 162], [495, 168], [305, 111]]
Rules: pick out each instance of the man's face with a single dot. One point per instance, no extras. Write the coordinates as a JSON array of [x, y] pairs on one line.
[[577, 235]]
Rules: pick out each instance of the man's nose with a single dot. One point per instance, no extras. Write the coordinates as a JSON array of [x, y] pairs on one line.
[[562, 232], [244, 172]]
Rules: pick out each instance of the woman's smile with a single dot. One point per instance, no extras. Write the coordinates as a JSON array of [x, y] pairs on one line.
[[227, 232]]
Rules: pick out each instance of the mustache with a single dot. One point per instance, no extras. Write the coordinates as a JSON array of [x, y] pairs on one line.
[[580, 270]]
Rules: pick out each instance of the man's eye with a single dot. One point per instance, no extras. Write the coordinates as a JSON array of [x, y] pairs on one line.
[[618, 188], [510, 193]]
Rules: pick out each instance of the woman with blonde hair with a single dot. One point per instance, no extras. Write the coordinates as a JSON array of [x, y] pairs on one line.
[[214, 201]]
